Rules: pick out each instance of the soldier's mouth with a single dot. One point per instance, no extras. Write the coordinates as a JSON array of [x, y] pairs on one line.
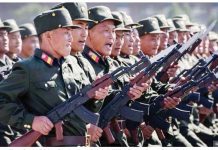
[[118, 49], [82, 42], [109, 45]]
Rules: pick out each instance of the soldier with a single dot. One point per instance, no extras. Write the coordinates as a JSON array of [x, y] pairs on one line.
[[213, 38], [182, 38], [173, 36], [164, 37], [79, 16], [126, 53], [47, 73], [117, 125], [99, 44], [6, 133], [162, 21], [150, 40], [125, 58], [188, 23], [15, 41], [30, 40], [182, 31], [136, 45]]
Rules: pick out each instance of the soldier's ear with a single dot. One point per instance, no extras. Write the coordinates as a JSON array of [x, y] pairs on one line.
[[49, 34]]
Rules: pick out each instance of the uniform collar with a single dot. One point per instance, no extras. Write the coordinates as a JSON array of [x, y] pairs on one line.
[[94, 56], [124, 55], [47, 58], [6, 60]]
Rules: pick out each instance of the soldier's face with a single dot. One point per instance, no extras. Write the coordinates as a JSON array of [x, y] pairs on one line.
[[200, 48], [4, 48], [206, 45], [102, 36], [182, 37], [213, 46], [127, 48], [187, 33], [173, 36], [164, 39], [15, 42], [29, 45], [79, 36], [118, 44], [136, 45], [150, 44], [60, 41]]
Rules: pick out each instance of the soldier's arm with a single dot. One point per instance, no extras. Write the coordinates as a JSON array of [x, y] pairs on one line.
[[11, 89]]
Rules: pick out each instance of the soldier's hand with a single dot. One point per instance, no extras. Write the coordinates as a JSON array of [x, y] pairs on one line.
[[42, 124], [101, 93], [94, 131], [172, 71], [136, 91], [145, 86], [147, 131], [170, 103]]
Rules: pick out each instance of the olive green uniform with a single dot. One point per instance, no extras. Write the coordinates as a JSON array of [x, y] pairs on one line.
[[24, 93]]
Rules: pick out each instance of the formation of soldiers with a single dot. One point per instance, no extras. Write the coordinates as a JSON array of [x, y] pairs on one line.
[[69, 47]]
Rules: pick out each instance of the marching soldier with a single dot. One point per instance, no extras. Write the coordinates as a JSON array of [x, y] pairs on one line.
[[6, 133], [173, 36], [213, 38], [79, 16], [99, 46], [150, 40], [126, 58], [30, 40], [15, 41]]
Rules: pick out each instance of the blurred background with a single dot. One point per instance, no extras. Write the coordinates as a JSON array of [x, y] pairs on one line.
[[198, 12]]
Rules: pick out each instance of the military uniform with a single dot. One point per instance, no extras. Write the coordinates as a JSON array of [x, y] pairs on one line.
[[6, 133], [33, 79]]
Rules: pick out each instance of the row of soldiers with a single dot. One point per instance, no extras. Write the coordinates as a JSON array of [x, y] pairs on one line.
[[68, 48]]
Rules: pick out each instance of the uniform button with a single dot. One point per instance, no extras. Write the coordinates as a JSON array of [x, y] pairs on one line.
[[28, 126], [69, 87], [25, 126], [46, 85]]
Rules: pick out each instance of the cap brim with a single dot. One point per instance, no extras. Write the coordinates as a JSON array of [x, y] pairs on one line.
[[171, 30], [72, 26], [191, 24], [165, 27], [156, 32], [122, 29], [134, 25], [116, 21], [4, 27], [85, 19], [16, 30], [183, 30]]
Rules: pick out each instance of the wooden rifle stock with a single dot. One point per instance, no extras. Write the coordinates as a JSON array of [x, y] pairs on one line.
[[26, 140], [108, 135]]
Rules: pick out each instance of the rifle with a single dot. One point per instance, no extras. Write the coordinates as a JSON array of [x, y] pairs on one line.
[[74, 104], [163, 76], [199, 67]]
